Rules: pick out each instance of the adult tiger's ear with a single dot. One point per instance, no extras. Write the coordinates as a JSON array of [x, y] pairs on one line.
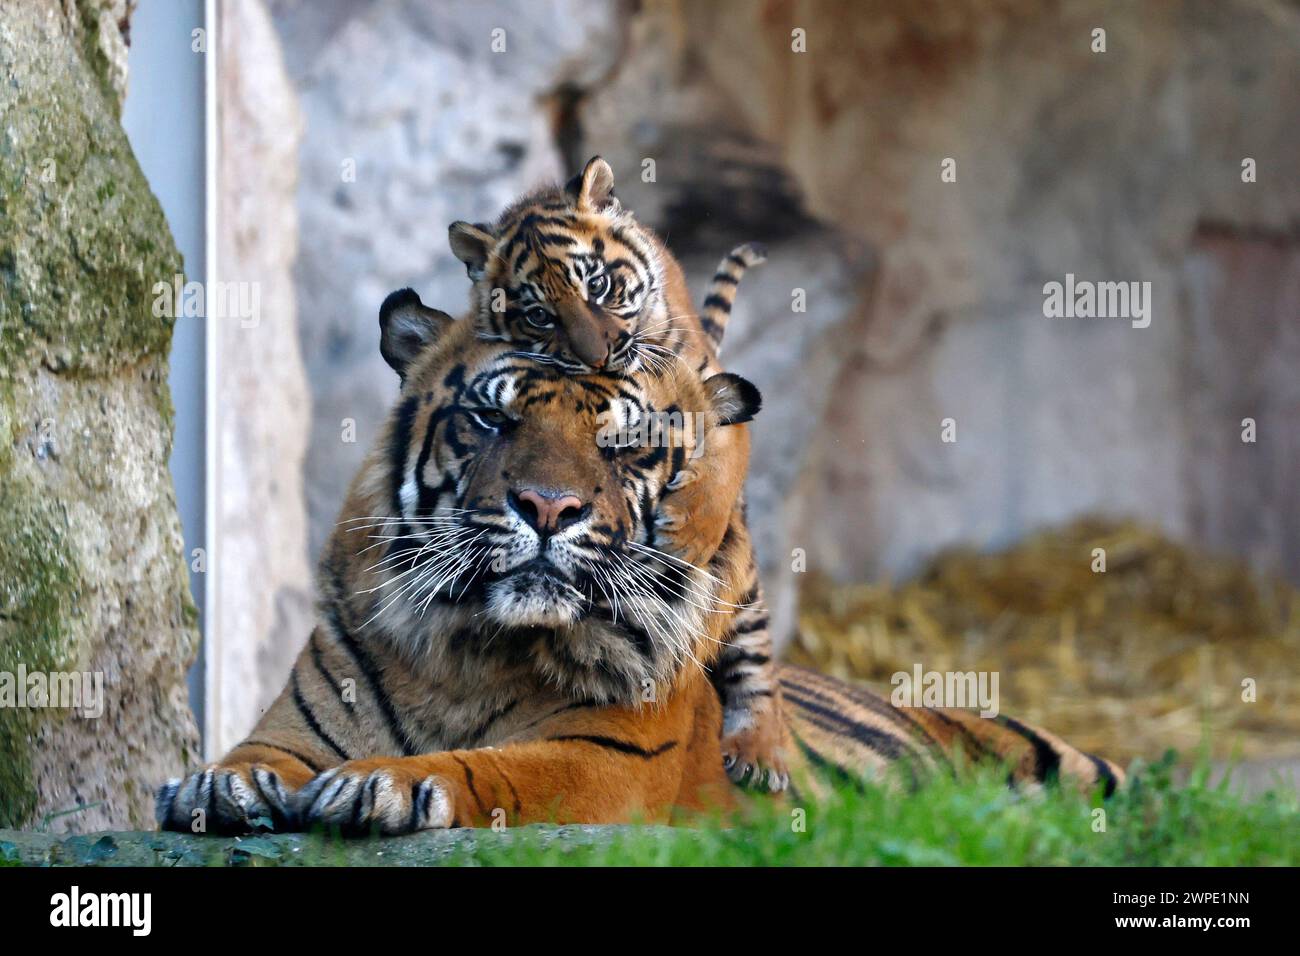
[[472, 244], [735, 399], [593, 188], [406, 327]]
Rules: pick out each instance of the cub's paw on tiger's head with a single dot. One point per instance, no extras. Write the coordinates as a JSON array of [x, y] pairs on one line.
[[362, 797], [225, 801], [689, 523]]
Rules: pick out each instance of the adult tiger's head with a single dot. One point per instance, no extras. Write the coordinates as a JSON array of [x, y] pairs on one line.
[[507, 514], [572, 274]]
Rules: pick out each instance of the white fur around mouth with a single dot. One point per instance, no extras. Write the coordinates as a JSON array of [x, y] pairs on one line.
[[532, 599]]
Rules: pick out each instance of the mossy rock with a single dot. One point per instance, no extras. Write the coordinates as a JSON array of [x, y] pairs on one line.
[[85, 240], [91, 571]]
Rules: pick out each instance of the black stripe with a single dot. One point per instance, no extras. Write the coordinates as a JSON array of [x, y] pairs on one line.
[[1047, 762], [743, 657], [716, 301], [303, 759], [318, 659], [825, 689], [1105, 774], [492, 719], [359, 802], [398, 449], [622, 235], [310, 718], [907, 762], [416, 809], [725, 277], [977, 746], [749, 627], [870, 737], [622, 746], [519, 806], [469, 782], [371, 672], [829, 766], [576, 705], [278, 819]]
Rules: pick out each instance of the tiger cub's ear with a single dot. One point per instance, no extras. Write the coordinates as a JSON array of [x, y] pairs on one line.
[[592, 189], [406, 326], [735, 399], [472, 244]]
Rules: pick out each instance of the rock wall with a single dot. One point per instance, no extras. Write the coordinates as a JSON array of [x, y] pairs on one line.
[[1109, 165], [822, 127], [91, 573]]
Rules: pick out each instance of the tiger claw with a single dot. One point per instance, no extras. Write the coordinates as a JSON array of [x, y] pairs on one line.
[[360, 800], [754, 762], [224, 800]]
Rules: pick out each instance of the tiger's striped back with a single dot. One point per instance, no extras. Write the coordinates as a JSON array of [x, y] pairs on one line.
[[853, 733]]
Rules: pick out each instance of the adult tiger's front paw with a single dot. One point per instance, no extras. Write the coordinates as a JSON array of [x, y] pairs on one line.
[[225, 800], [368, 796]]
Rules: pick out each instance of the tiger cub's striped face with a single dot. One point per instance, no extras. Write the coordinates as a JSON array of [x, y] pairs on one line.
[[568, 276], [527, 494]]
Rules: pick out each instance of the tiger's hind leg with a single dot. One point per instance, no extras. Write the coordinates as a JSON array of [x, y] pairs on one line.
[[754, 731]]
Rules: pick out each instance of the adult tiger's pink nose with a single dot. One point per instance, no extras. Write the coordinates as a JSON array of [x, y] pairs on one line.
[[548, 513]]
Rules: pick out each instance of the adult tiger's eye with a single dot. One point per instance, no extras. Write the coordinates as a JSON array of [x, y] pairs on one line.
[[539, 317], [598, 285], [490, 417]]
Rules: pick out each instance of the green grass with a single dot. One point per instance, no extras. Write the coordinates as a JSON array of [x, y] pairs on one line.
[[971, 822]]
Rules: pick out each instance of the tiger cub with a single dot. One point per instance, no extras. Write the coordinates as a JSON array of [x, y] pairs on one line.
[[571, 279]]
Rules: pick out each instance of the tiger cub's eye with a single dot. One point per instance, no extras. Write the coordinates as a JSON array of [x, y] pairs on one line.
[[539, 317], [598, 285]]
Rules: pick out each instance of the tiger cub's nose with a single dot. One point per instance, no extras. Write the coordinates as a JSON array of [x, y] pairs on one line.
[[547, 512]]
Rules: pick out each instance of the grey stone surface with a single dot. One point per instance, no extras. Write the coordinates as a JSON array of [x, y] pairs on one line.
[[117, 848], [91, 573]]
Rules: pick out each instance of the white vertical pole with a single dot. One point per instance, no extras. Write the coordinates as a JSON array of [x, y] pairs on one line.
[[212, 485]]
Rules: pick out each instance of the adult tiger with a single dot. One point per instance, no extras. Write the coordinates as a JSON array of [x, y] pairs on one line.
[[569, 275], [496, 640]]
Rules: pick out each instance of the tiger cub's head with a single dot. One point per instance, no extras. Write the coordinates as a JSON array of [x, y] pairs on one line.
[[512, 505], [570, 276]]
